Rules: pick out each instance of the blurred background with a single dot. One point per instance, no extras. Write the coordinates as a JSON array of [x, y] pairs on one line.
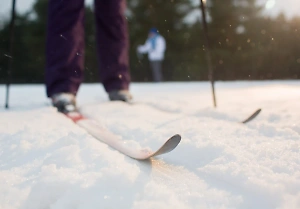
[[250, 39]]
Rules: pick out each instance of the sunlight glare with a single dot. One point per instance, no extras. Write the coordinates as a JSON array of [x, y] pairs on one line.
[[270, 4]]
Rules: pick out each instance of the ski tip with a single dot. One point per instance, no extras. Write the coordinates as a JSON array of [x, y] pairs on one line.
[[176, 138], [168, 146], [172, 142], [251, 117], [256, 112]]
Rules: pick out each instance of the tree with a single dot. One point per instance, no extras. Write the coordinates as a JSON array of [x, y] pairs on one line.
[[230, 30], [19, 48], [245, 44]]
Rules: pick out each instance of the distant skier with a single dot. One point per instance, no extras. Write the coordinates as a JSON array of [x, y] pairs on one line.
[[155, 46], [65, 50]]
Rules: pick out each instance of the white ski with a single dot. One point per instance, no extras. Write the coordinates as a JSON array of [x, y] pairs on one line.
[[100, 132]]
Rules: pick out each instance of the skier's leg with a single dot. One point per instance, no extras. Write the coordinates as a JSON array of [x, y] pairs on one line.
[[159, 64], [112, 44], [156, 71], [65, 46]]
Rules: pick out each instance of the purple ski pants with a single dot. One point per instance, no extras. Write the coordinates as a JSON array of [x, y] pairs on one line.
[[65, 45]]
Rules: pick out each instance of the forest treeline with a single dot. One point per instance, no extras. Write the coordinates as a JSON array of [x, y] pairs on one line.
[[245, 44]]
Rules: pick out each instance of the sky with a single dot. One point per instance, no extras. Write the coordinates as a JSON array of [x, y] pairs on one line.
[[272, 7]]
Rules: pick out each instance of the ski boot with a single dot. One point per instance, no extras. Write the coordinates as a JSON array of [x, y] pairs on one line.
[[120, 95], [64, 102]]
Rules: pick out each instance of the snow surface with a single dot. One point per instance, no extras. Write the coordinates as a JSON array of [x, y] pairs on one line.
[[46, 161]]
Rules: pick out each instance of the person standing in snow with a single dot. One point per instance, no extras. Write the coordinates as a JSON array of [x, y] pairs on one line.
[[65, 50], [155, 46]]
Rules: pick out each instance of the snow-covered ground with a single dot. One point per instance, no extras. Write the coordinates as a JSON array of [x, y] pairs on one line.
[[46, 161]]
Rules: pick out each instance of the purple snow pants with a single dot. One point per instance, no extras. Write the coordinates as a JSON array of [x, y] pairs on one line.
[[65, 45]]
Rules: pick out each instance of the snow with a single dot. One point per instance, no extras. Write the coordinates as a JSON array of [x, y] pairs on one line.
[[47, 161]]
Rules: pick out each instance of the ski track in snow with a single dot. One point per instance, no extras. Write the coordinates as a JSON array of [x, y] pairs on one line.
[[46, 161]]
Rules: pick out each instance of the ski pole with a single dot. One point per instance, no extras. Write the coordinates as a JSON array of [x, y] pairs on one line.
[[11, 40], [208, 52]]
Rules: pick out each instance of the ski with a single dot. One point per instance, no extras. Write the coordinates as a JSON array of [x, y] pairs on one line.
[[100, 132], [252, 116], [248, 119]]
